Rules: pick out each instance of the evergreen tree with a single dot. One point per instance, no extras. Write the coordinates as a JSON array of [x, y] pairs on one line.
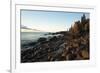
[[83, 19]]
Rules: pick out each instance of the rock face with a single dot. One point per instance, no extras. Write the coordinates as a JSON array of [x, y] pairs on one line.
[[70, 45]]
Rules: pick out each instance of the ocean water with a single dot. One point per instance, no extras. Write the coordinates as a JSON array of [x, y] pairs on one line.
[[27, 37]]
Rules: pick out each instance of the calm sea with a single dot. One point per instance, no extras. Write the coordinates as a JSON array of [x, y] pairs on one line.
[[27, 37]]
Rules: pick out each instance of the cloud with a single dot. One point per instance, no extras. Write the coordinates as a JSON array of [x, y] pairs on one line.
[[25, 27]]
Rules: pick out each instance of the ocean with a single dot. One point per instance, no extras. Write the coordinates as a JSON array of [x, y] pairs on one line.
[[27, 37]]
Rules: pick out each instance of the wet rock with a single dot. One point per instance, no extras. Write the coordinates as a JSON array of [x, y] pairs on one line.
[[42, 40]]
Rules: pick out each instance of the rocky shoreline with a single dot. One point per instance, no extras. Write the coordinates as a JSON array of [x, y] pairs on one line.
[[69, 45], [57, 49]]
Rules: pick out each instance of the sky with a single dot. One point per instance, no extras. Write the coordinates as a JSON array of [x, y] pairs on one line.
[[49, 21]]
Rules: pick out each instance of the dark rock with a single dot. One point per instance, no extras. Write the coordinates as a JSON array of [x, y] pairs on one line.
[[53, 38], [42, 40]]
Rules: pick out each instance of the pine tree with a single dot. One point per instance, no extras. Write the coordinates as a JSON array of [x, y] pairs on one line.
[[83, 19]]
